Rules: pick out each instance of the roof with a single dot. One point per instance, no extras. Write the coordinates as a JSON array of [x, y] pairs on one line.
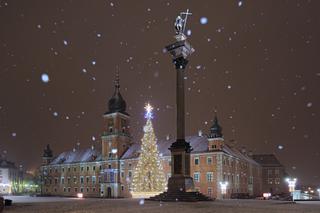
[[199, 145], [267, 160], [77, 156], [6, 164]]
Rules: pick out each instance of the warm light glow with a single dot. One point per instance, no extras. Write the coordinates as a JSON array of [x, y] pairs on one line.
[[148, 176], [114, 151], [79, 195], [223, 186], [266, 195], [148, 109], [291, 183]]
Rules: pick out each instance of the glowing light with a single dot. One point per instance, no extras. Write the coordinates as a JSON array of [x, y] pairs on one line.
[[203, 20], [114, 151], [291, 184], [149, 114], [79, 195], [266, 195], [223, 186], [240, 3], [45, 78], [141, 202]]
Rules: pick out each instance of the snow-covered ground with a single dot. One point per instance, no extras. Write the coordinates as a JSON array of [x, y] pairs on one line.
[[74, 205]]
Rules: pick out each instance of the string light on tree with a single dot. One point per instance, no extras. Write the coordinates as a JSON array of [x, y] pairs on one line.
[[148, 177]]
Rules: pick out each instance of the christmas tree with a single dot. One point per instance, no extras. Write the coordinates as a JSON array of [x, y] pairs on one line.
[[148, 177]]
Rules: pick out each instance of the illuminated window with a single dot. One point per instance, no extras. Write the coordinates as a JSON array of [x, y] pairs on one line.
[[93, 179], [277, 181], [196, 161], [209, 160], [270, 181], [196, 176], [209, 176]]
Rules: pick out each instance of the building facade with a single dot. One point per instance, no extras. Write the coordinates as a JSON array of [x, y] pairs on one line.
[[10, 177], [107, 170]]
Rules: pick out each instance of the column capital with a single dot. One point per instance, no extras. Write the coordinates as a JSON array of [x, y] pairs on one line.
[[180, 63]]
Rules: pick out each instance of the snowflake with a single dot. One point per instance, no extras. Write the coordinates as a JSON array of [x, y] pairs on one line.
[[309, 104], [93, 138], [65, 42], [189, 32], [45, 78], [55, 114], [240, 3], [84, 70], [203, 20], [93, 62], [280, 147], [14, 134]]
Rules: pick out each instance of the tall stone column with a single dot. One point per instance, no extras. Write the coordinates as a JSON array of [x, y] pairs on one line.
[[180, 149]]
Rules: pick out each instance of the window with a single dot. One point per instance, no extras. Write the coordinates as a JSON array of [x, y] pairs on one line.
[[81, 168], [214, 146], [100, 168], [269, 180], [209, 176], [99, 179], [68, 169], [129, 174], [75, 189], [62, 180], [269, 172], [87, 179], [94, 168], [209, 160], [68, 180], [55, 189], [87, 189], [196, 176], [88, 168], [62, 169], [93, 179], [93, 189], [276, 172], [74, 179], [122, 187], [81, 189], [55, 180], [277, 181], [64, 189], [209, 191], [122, 174], [109, 166], [74, 169], [81, 179], [69, 189], [196, 161]]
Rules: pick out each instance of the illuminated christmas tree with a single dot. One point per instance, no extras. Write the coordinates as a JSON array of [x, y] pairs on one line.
[[148, 177]]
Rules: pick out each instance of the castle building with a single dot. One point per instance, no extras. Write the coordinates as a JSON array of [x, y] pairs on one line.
[[107, 171]]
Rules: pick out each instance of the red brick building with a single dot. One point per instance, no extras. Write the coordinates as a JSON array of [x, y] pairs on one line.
[[107, 171]]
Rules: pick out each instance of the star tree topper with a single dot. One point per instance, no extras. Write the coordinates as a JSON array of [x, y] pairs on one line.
[[149, 114]]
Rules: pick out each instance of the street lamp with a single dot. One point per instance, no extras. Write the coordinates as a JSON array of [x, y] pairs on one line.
[[223, 186], [292, 185]]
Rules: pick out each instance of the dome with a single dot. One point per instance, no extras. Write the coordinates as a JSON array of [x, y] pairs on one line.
[[116, 102], [216, 129]]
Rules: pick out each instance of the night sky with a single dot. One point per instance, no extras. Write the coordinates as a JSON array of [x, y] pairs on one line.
[[257, 62]]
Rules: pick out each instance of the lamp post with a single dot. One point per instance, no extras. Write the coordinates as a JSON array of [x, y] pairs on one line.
[[292, 185], [223, 187]]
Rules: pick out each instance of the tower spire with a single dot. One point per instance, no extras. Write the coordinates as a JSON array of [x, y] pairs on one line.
[[216, 129], [116, 102], [117, 80]]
